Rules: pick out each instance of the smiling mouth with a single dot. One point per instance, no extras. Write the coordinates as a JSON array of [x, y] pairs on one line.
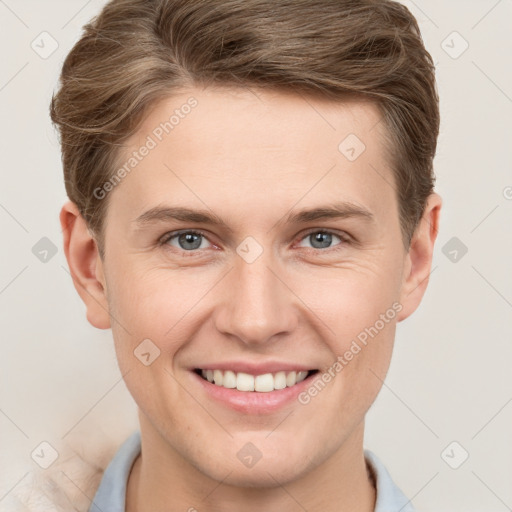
[[257, 383]]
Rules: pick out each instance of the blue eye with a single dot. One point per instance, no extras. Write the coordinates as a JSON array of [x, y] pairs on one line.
[[322, 239], [191, 240], [186, 240]]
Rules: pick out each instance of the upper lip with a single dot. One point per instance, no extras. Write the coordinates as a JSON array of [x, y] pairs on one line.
[[255, 368]]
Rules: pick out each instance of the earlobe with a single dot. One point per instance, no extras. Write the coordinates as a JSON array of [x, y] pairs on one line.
[[85, 265], [419, 258]]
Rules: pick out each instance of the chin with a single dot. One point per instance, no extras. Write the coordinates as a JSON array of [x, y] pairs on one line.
[[283, 466], [264, 477]]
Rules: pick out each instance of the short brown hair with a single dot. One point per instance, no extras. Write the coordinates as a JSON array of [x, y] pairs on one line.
[[137, 52]]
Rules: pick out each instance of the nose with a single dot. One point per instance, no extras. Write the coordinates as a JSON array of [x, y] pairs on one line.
[[257, 304]]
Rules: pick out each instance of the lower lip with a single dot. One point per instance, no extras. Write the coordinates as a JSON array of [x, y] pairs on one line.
[[254, 402]]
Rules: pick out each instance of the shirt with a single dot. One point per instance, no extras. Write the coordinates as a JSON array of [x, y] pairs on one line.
[[111, 494]]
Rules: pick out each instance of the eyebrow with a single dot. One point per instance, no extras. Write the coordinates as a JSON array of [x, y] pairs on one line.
[[333, 211]]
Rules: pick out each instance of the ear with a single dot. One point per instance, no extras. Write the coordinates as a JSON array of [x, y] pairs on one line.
[[85, 265], [419, 258]]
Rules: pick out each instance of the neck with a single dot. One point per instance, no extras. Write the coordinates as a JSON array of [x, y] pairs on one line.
[[161, 479]]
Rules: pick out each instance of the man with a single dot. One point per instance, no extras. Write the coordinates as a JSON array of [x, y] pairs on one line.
[[251, 212]]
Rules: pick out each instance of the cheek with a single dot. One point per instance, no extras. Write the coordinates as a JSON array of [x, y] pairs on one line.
[[356, 309], [362, 361], [155, 304], [351, 299]]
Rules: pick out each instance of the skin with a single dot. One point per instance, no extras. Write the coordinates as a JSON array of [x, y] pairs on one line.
[[251, 157]]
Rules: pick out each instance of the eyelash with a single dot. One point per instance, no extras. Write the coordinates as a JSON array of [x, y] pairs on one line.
[[163, 241]]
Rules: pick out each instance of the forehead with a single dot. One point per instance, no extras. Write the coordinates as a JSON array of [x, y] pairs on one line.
[[216, 143], [223, 116]]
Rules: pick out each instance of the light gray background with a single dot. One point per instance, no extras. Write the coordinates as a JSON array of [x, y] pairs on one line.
[[450, 379]]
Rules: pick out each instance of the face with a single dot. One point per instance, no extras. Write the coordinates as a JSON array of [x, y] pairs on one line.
[[213, 259]]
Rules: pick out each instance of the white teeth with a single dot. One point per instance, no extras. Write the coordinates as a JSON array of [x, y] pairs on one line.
[[280, 380], [217, 377], [247, 382], [229, 380], [301, 376], [244, 382], [291, 379], [264, 382]]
